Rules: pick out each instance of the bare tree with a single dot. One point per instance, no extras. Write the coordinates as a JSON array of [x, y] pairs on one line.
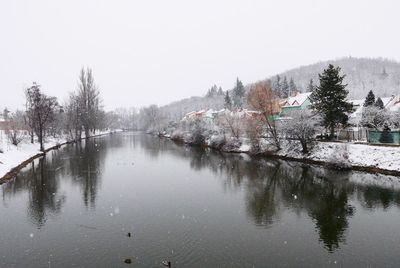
[[254, 128], [374, 117], [232, 122], [262, 99], [300, 125], [15, 128], [91, 113], [41, 111], [152, 118]]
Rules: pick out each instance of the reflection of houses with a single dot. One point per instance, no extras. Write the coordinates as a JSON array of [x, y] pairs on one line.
[[300, 101]]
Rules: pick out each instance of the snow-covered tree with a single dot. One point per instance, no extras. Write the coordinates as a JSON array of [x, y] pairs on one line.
[[285, 88], [301, 126], [228, 101], [277, 87], [370, 99], [233, 123], [292, 87], [374, 117], [16, 125], [310, 86], [41, 110], [238, 93], [379, 103], [91, 112], [329, 99]]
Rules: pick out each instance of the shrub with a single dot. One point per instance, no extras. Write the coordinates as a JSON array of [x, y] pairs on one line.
[[232, 144]]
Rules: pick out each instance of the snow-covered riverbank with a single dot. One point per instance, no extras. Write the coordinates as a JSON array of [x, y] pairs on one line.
[[370, 158], [358, 156], [12, 156]]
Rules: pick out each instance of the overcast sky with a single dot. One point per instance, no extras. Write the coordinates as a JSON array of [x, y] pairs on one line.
[[144, 52]]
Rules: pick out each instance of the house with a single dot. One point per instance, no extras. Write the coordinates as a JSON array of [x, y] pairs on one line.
[[300, 101], [4, 122], [390, 103]]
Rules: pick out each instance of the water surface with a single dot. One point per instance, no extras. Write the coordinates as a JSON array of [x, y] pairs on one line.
[[194, 207]]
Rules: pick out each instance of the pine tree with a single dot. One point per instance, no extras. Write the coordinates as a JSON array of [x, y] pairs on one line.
[[292, 87], [220, 91], [228, 101], [370, 99], [310, 87], [285, 88], [238, 94], [277, 86], [329, 99], [384, 74], [213, 91], [379, 103]]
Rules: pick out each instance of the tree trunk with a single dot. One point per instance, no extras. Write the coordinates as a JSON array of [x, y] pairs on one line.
[[86, 132], [41, 139], [332, 130], [304, 146]]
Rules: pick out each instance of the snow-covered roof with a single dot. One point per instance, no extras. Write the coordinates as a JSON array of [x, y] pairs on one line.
[[357, 102], [387, 100], [297, 100]]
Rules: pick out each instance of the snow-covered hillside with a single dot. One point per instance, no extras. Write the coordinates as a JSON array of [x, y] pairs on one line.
[[362, 74]]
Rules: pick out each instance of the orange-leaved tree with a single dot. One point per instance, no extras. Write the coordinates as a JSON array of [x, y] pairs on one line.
[[262, 99]]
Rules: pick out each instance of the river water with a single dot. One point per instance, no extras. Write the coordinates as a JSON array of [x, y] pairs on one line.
[[194, 207]]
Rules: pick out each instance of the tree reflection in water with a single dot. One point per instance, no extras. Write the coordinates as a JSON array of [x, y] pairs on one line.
[[272, 186], [41, 180]]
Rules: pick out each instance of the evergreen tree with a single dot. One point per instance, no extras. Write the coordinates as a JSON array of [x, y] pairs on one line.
[[228, 101], [6, 112], [379, 103], [220, 91], [292, 87], [277, 86], [329, 99], [370, 99], [238, 94], [213, 91], [384, 74], [285, 88], [310, 87]]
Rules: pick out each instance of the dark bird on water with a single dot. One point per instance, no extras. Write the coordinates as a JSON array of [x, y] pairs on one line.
[[129, 234]]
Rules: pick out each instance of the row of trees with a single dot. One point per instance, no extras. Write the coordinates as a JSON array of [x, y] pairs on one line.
[[283, 88], [44, 116]]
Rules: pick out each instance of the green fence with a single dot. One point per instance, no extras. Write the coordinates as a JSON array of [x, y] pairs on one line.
[[385, 137]]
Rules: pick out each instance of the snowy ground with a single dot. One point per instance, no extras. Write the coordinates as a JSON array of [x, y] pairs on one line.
[[12, 155], [362, 155]]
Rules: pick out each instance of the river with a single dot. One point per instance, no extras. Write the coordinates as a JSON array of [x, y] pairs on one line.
[[194, 207]]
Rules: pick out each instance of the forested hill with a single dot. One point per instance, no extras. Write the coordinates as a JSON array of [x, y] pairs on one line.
[[362, 74]]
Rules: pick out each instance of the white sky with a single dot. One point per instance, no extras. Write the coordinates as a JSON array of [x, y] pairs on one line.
[[144, 52]]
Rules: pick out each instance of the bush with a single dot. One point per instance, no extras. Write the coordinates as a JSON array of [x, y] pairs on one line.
[[232, 144], [177, 135], [339, 159], [217, 141]]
